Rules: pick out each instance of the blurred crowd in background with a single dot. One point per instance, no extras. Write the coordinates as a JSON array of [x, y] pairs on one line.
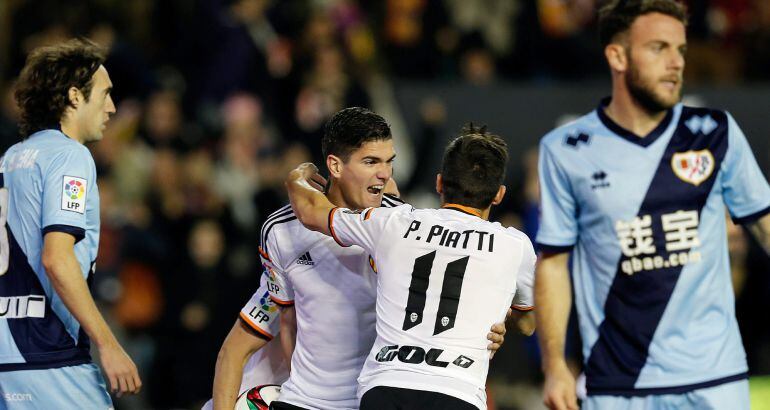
[[218, 99]]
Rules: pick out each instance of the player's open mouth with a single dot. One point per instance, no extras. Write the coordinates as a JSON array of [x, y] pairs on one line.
[[670, 83], [375, 189]]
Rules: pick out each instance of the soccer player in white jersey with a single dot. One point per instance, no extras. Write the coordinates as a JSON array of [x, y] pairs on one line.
[[444, 276], [247, 358], [636, 191], [327, 292], [49, 238]]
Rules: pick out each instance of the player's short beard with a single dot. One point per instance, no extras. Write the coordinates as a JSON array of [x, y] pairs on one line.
[[642, 92]]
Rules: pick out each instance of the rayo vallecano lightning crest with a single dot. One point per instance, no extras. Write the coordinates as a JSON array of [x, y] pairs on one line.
[[693, 167]]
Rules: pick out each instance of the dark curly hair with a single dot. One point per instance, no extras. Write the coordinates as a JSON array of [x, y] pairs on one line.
[[474, 167], [617, 16], [350, 128], [42, 91]]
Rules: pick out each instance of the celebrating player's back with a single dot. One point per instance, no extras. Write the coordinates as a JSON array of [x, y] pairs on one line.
[[444, 277]]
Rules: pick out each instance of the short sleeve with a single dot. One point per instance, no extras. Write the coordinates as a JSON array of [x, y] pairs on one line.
[[363, 228], [261, 313], [523, 299], [558, 219], [278, 284], [745, 189], [68, 179]]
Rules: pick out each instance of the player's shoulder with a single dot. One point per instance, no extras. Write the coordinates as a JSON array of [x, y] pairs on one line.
[[283, 229], [703, 118], [572, 133], [55, 145]]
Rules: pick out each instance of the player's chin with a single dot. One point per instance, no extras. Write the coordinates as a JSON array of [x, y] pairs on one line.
[[372, 200]]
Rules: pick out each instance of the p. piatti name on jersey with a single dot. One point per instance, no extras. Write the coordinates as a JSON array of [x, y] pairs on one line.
[[445, 237], [645, 219]]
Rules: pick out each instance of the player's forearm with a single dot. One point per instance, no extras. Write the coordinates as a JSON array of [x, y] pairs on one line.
[[66, 278], [310, 206], [553, 299], [525, 322], [236, 350], [760, 229], [227, 379], [288, 332]]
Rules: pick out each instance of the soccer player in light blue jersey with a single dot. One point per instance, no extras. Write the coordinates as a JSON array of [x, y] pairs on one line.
[[49, 239], [636, 192]]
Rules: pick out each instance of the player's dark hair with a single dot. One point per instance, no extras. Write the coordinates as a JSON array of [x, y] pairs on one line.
[[474, 167], [42, 91], [617, 16], [350, 128]]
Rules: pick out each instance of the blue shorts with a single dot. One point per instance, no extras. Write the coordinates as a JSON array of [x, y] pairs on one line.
[[734, 396], [72, 387]]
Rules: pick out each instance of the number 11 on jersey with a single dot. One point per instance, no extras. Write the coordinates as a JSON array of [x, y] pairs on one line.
[[450, 292]]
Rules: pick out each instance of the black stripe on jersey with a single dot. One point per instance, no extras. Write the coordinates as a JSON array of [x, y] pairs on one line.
[[286, 210], [272, 224], [76, 231], [751, 217], [450, 295], [635, 303], [392, 201], [415, 304]]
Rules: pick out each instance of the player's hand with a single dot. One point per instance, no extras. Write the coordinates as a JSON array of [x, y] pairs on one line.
[[497, 337], [391, 188], [120, 370], [317, 181], [559, 390], [305, 171]]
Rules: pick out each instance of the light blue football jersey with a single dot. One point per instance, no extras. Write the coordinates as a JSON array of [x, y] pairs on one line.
[[48, 184], [645, 220]]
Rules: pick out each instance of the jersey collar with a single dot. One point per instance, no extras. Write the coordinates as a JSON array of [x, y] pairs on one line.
[[464, 209], [645, 141]]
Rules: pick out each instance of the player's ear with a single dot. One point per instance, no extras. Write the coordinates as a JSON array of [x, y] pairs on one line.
[[74, 96], [334, 164], [439, 185], [616, 56], [499, 196]]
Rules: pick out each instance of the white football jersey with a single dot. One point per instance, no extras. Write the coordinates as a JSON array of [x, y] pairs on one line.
[[333, 290], [445, 276], [267, 365]]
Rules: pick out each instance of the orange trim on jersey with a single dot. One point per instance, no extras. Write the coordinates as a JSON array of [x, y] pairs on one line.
[[256, 328], [263, 253], [284, 303], [368, 214], [523, 308], [331, 228], [466, 209]]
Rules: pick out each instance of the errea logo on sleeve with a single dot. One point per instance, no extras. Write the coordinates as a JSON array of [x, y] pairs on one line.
[[73, 197]]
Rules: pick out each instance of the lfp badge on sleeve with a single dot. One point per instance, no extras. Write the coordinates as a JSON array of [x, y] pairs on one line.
[[73, 197]]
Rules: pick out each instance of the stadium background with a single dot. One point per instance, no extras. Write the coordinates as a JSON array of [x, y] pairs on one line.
[[218, 99]]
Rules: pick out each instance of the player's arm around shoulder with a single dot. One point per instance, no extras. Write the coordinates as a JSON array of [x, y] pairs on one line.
[[64, 272], [310, 205]]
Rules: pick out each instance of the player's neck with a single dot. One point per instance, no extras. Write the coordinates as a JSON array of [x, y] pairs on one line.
[[334, 194], [69, 129], [481, 213], [629, 114]]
